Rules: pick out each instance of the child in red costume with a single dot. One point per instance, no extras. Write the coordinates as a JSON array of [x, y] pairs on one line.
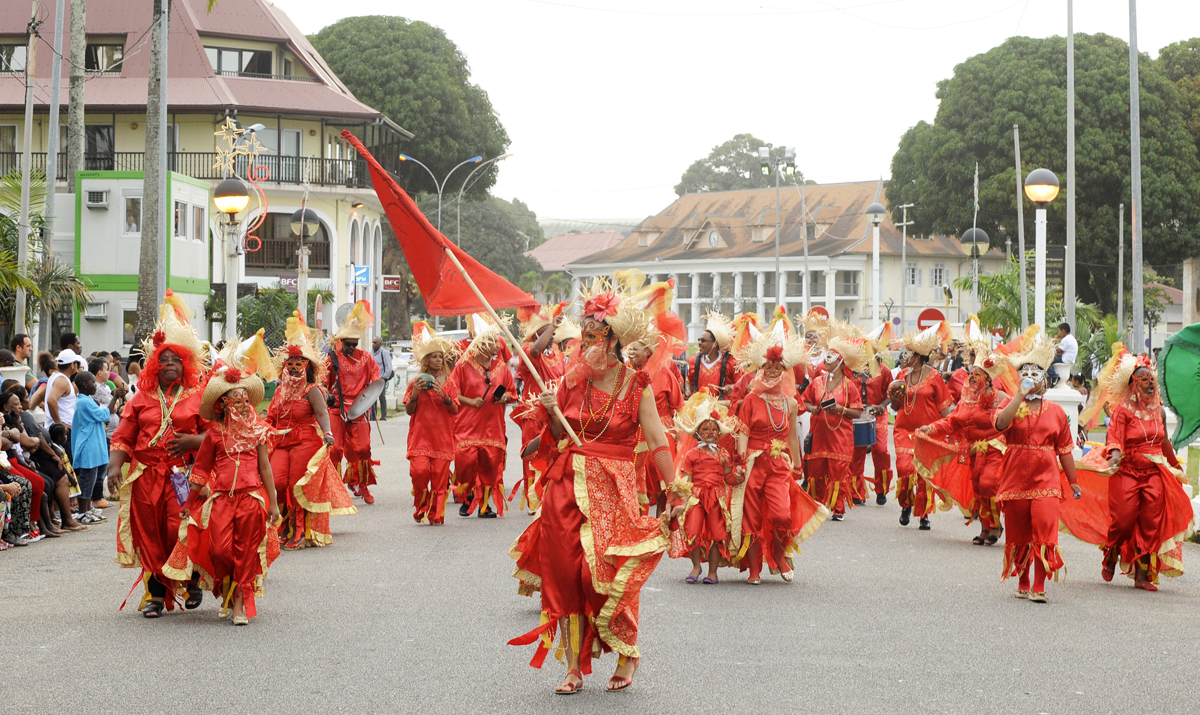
[[705, 468]]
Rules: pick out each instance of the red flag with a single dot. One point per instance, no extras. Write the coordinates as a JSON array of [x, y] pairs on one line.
[[445, 290]]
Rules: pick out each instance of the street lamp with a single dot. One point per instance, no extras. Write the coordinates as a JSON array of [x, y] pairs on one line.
[[304, 224], [231, 197], [442, 185], [788, 164], [977, 243], [875, 214], [1041, 186]]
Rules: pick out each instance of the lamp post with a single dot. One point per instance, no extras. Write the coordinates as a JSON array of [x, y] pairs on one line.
[[304, 224], [462, 189], [1041, 187], [875, 214], [231, 198], [788, 164], [442, 185], [977, 243]]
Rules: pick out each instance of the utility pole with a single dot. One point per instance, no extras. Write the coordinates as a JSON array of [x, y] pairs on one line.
[[1121, 272], [804, 287], [1021, 229], [1135, 182], [52, 143], [26, 166], [76, 134], [166, 211], [904, 266], [779, 285], [1069, 272]]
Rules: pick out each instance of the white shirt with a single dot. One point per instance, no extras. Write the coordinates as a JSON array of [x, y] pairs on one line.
[[66, 403], [1070, 348]]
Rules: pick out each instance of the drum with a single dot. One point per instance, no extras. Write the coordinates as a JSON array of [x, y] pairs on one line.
[[864, 431]]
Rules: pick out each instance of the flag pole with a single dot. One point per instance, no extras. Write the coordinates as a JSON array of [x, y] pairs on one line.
[[524, 357]]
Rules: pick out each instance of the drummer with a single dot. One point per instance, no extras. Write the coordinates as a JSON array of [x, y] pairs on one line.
[[349, 372]]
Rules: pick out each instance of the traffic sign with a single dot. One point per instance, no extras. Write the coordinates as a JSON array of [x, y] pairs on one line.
[[819, 310], [362, 275], [929, 317], [391, 284]]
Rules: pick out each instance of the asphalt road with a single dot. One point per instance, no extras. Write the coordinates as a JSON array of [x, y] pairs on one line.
[[399, 617]]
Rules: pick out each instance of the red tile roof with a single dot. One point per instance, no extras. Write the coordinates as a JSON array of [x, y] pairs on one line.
[[559, 251]]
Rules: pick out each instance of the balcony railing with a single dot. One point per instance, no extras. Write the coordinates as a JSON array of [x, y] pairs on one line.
[[350, 173], [280, 255], [256, 75]]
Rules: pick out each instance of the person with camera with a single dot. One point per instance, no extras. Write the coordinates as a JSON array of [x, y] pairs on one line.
[[485, 386], [431, 401], [348, 372], [834, 399]]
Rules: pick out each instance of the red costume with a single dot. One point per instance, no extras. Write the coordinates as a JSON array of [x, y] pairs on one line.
[[921, 405], [352, 439], [722, 372], [668, 398], [550, 366], [431, 449], [881, 458], [829, 477], [955, 383], [705, 516], [1149, 510], [307, 484], [229, 542], [1030, 489], [480, 449], [591, 548], [981, 448], [150, 522]]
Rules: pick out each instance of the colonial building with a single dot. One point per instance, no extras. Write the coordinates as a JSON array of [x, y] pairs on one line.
[[720, 247], [244, 60]]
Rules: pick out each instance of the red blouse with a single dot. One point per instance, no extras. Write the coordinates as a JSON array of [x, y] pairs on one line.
[[296, 415], [971, 421], [705, 467], [607, 426], [431, 428], [668, 398], [1036, 438], [142, 420], [833, 435], [481, 426], [922, 404], [550, 365], [765, 423], [1134, 435], [354, 374], [711, 375], [223, 471]]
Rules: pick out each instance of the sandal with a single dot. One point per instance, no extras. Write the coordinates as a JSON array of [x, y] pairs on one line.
[[566, 687], [617, 683], [1107, 571], [1146, 586], [194, 599], [980, 540], [754, 581], [787, 575], [710, 580], [153, 609]]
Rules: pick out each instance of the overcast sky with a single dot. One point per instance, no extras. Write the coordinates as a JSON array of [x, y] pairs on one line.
[[607, 102]]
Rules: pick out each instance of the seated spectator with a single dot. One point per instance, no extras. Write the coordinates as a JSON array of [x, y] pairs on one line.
[[18, 495], [7, 359], [44, 459], [20, 445]]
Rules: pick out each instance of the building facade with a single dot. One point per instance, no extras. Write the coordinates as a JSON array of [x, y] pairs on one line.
[[245, 60], [720, 248]]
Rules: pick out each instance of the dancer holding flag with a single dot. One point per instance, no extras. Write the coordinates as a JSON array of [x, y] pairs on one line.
[[348, 371]]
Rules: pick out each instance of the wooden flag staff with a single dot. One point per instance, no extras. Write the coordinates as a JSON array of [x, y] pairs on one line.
[[524, 357]]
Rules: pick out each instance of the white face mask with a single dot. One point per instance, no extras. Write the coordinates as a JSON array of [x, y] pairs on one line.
[[1035, 375], [832, 358]]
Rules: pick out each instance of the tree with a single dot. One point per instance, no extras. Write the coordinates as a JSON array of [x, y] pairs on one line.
[[1023, 81], [732, 165], [1180, 62], [1000, 298], [267, 309], [152, 198], [416, 76], [75, 108]]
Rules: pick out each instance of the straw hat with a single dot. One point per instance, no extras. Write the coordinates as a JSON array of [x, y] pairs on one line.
[[721, 328], [301, 341], [855, 354], [568, 329], [1037, 349], [356, 324], [775, 345], [240, 365], [994, 364], [924, 342], [426, 341], [531, 320], [485, 334], [702, 407], [607, 303]]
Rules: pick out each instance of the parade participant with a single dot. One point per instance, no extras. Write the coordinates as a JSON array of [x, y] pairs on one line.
[[770, 515], [566, 337], [707, 467], [651, 354], [834, 400], [1149, 513], [233, 509], [591, 548], [485, 386], [348, 371], [160, 431], [1038, 436], [875, 402], [538, 326], [978, 442], [919, 396], [430, 401], [713, 367], [308, 486]]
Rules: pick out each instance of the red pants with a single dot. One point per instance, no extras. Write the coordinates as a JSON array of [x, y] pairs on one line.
[[881, 460], [830, 483], [481, 470], [911, 491], [1031, 534], [289, 463], [353, 442], [985, 479], [1136, 500], [430, 477], [38, 485], [154, 516], [704, 523], [237, 526], [766, 511]]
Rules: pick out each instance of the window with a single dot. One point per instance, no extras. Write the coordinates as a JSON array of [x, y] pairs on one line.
[[98, 152], [816, 283], [847, 283], [12, 58], [181, 219], [103, 58], [231, 62], [279, 247], [128, 320], [199, 227], [937, 275], [912, 279], [133, 215], [8, 139], [287, 68]]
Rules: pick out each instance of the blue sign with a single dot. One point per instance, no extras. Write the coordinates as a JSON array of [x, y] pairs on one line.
[[362, 275]]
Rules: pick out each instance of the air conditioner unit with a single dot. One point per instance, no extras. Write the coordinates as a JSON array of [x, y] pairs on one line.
[[97, 310], [97, 200]]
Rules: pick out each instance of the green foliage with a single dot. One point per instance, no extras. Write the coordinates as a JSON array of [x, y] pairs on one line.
[[1023, 81], [1180, 63], [1000, 297], [269, 310], [554, 287], [416, 76], [732, 165]]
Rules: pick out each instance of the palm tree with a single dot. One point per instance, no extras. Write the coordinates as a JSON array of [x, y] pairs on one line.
[[1000, 301], [58, 288], [557, 287]]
